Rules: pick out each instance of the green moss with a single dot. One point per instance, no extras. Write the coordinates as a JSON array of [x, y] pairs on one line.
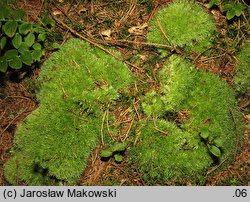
[[185, 24], [175, 149], [242, 76], [54, 142]]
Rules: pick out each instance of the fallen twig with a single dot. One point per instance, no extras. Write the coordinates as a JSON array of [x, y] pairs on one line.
[[216, 167], [13, 120], [95, 44], [237, 134]]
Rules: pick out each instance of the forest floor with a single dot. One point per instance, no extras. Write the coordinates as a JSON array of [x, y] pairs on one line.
[[122, 24]]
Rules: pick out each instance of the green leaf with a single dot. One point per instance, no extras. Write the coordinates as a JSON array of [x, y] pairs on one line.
[[218, 142], [204, 135], [215, 151], [227, 7], [15, 62], [230, 14], [29, 39], [10, 28], [17, 41], [24, 28], [213, 3], [37, 46], [119, 147], [38, 29], [106, 153], [42, 36], [37, 54], [23, 48], [4, 12], [118, 158], [11, 53], [26, 58], [0, 24], [56, 45], [3, 42], [18, 14], [238, 9], [3, 64]]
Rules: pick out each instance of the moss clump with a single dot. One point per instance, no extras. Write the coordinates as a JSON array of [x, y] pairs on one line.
[[54, 142], [185, 24], [174, 147], [242, 76]]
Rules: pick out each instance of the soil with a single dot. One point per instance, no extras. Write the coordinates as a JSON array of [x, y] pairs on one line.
[[18, 88]]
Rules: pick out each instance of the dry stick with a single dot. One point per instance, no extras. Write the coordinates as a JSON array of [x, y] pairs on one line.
[[144, 43], [137, 137], [107, 122], [103, 120], [130, 126], [198, 56], [236, 129], [2, 114], [162, 31], [95, 44], [216, 167], [20, 97], [13, 120], [161, 131], [136, 111]]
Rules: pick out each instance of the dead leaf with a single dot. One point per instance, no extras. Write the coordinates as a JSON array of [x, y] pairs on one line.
[[57, 12], [106, 34], [138, 30]]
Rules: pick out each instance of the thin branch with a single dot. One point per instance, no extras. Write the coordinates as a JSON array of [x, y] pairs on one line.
[[237, 133], [216, 167], [102, 134], [95, 44], [161, 131], [13, 120], [162, 31], [130, 126]]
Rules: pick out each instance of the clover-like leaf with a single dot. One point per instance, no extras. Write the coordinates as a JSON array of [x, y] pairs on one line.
[[29, 39], [204, 133], [42, 36], [11, 53], [26, 58], [118, 158], [37, 46], [3, 42], [215, 150], [24, 28], [213, 3], [17, 41], [227, 7], [238, 9], [119, 147], [106, 153], [218, 142], [230, 14], [3, 64], [10, 28], [23, 48], [37, 54], [15, 62]]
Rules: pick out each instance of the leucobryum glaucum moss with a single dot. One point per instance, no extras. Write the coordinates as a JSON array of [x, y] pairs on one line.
[[77, 83], [242, 76], [182, 24], [53, 144], [184, 150]]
